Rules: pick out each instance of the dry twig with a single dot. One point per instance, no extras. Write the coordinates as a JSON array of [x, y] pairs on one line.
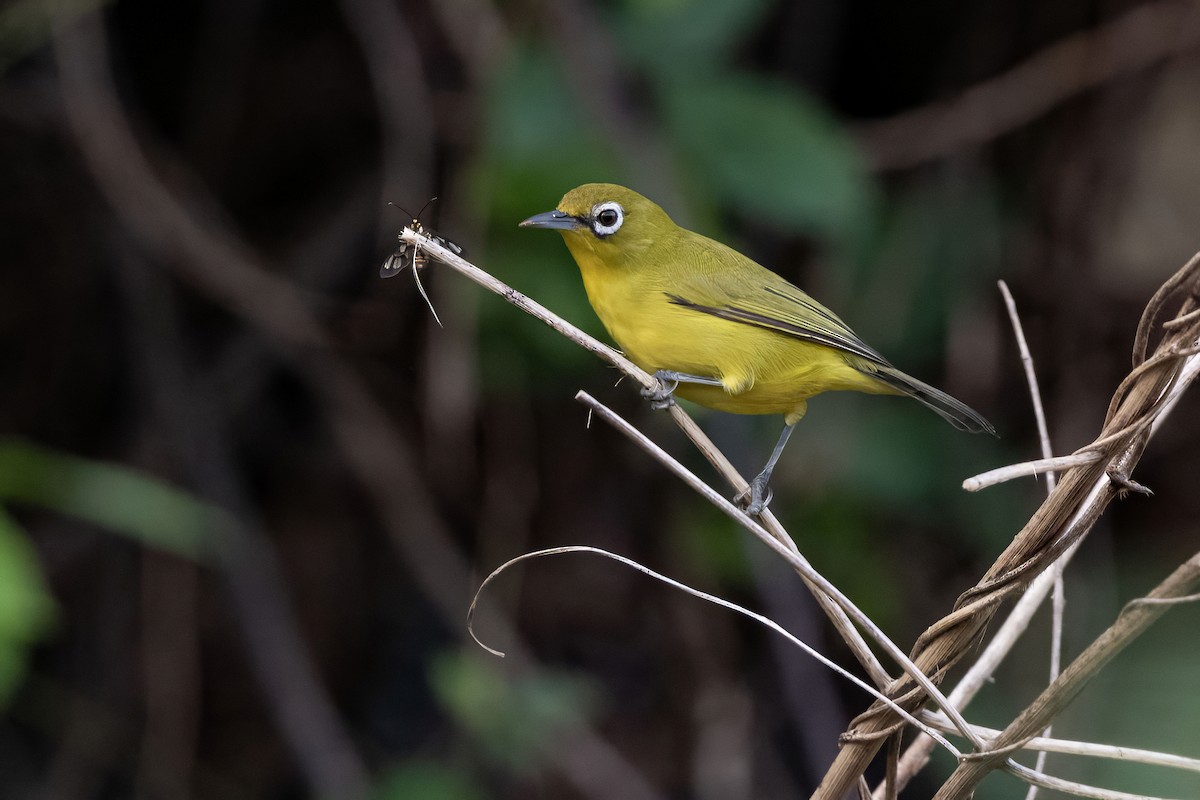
[[917, 754], [1134, 619], [1063, 519], [1069, 747], [1059, 598], [929, 730]]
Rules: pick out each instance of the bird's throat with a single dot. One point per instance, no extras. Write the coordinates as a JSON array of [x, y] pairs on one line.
[[611, 291]]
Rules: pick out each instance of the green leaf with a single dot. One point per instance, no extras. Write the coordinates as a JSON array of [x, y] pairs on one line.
[[685, 37], [703, 536], [25, 25], [774, 154], [420, 779], [838, 532], [938, 242], [538, 146], [119, 499], [534, 120], [26, 608], [516, 720]]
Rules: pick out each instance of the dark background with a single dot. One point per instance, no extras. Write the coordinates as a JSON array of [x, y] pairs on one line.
[[250, 489]]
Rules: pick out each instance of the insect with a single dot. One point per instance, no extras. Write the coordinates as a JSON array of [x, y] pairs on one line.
[[413, 255]]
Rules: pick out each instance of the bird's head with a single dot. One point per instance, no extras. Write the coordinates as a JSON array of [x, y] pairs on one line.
[[606, 222]]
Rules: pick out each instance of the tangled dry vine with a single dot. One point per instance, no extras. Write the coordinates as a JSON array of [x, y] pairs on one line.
[[1065, 517]]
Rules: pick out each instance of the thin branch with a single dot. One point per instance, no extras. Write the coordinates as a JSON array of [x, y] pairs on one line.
[[1180, 322], [1024, 469], [529, 306], [1071, 787], [798, 562], [683, 587], [1091, 454], [1076, 748], [1165, 601], [1059, 600], [1035, 394], [1058, 606]]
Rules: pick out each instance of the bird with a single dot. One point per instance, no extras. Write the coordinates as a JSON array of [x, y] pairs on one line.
[[716, 327]]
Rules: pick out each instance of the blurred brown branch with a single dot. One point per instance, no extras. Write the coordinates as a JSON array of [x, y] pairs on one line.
[[303, 710], [1064, 518], [1140, 38], [402, 94], [180, 227]]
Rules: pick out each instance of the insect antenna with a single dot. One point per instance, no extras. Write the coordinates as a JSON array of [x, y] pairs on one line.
[[427, 202], [400, 208]]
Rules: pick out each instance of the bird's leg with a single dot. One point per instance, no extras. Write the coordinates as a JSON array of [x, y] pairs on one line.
[[669, 381], [759, 491]]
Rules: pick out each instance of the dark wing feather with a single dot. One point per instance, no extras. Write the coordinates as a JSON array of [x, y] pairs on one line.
[[753, 295], [795, 314]]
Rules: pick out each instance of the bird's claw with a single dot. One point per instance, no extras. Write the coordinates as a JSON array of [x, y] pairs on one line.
[[661, 396], [756, 498]]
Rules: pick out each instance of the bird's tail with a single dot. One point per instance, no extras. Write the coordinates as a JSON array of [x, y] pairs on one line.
[[957, 413]]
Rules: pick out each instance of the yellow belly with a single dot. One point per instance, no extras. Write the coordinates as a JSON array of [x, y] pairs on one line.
[[785, 394], [761, 371]]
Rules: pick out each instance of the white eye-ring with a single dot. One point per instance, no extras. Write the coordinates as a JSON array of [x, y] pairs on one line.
[[607, 218]]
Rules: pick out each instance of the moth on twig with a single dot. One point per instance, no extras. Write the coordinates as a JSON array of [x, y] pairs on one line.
[[412, 255]]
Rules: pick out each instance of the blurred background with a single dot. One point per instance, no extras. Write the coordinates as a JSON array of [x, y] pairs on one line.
[[248, 489]]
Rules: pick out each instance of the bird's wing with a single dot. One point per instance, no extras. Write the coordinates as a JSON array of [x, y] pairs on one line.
[[778, 306]]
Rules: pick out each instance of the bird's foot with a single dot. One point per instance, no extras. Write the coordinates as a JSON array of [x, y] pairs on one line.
[[756, 498], [662, 396]]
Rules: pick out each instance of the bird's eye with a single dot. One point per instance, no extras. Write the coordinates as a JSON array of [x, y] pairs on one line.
[[607, 218]]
